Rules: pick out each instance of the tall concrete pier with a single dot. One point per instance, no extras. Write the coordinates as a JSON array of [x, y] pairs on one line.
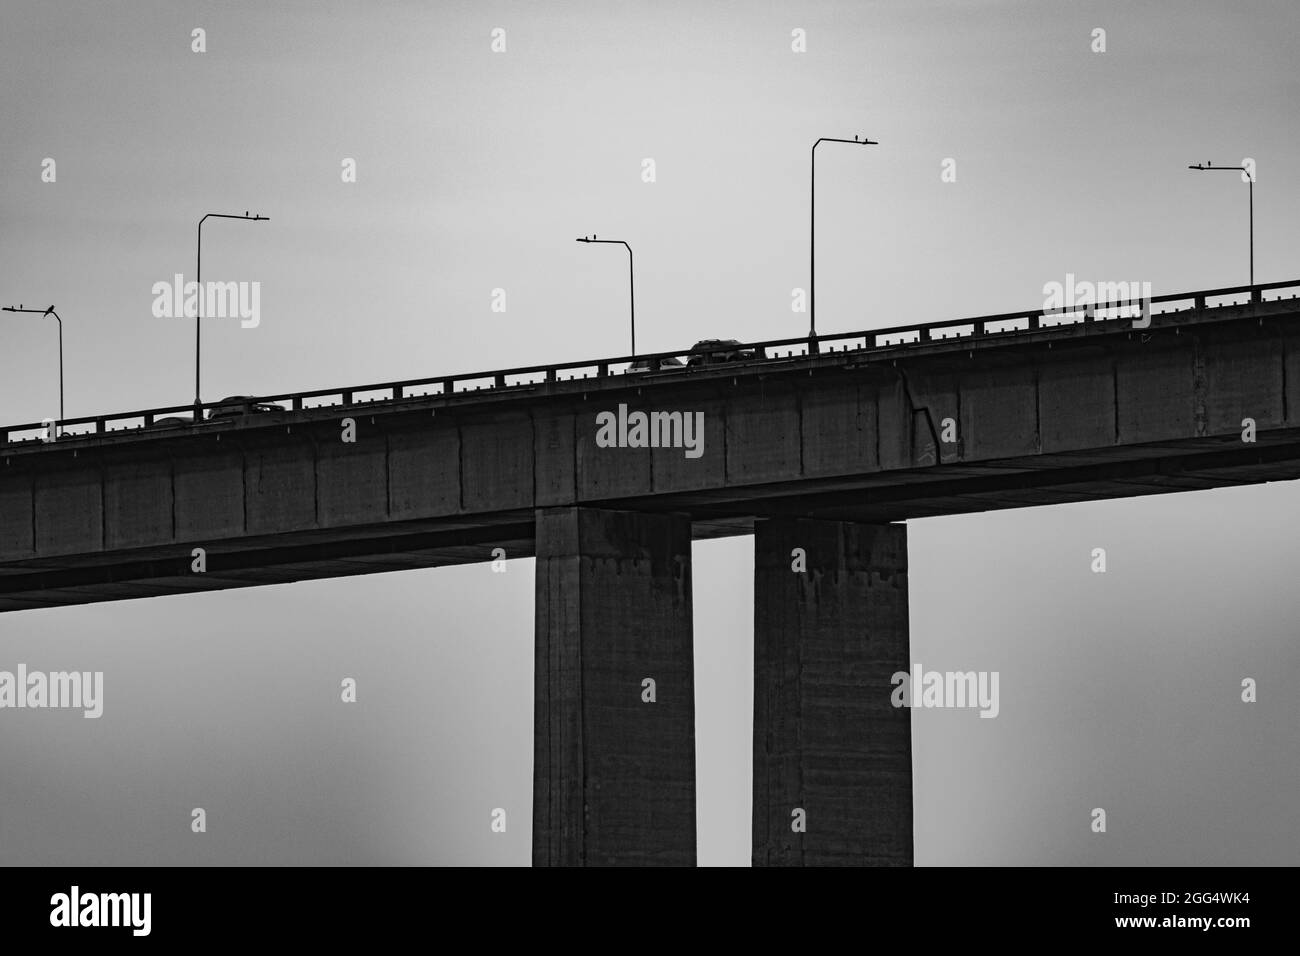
[[614, 726], [832, 756]]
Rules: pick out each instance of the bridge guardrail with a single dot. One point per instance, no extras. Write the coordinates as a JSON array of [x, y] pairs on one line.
[[979, 327]]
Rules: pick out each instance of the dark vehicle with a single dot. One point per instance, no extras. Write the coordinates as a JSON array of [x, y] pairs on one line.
[[721, 352], [664, 364], [240, 406]]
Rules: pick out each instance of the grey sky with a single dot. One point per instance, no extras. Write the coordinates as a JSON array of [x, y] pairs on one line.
[[475, 172]]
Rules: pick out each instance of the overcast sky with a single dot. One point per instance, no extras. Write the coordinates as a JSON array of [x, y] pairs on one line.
[[475, 171]]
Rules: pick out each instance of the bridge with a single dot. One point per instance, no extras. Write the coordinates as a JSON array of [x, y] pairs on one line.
[[817, 449]]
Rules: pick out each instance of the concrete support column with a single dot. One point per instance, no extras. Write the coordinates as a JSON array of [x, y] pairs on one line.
[[613, 755], [827, 740]]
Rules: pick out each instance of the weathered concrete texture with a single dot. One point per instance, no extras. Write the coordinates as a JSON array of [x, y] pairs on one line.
[[840, 431], [999, 410], [69, 514], [556, 460], [350, 477], [1076, 401], [280, 483], [137, 503], [933, 397], [497, 462], [1155, 390], [826, 738], [17, 521], [1244, 379], [210, 495], [607, 472], [671, 470], [613, 776], [424, 471], [762, 435]]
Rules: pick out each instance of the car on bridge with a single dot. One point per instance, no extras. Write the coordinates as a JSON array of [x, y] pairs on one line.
[[241, 406], [663, 364], [721, 352]]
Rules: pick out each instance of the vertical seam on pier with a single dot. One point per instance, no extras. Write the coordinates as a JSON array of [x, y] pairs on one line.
[[532, 424], [961, 431], [582, 690], [315, 482], [460, 470], [1038, 415], [1285, 416], [726, 422], [1114, 385], [171, 462], [876, 399], [798, 404], [103, 506], [1200, 414]]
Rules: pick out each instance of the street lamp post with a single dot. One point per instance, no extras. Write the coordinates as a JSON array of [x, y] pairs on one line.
[[631, 281], [812, 233], [1250, 179], [49, 311], [198, 280]]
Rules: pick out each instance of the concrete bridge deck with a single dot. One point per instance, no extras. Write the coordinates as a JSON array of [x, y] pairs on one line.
[[1038, 414]]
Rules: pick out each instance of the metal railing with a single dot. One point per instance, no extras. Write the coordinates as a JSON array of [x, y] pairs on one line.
[[1006, 324]]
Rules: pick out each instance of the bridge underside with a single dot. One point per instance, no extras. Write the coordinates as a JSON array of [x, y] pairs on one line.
[[254, 561]]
